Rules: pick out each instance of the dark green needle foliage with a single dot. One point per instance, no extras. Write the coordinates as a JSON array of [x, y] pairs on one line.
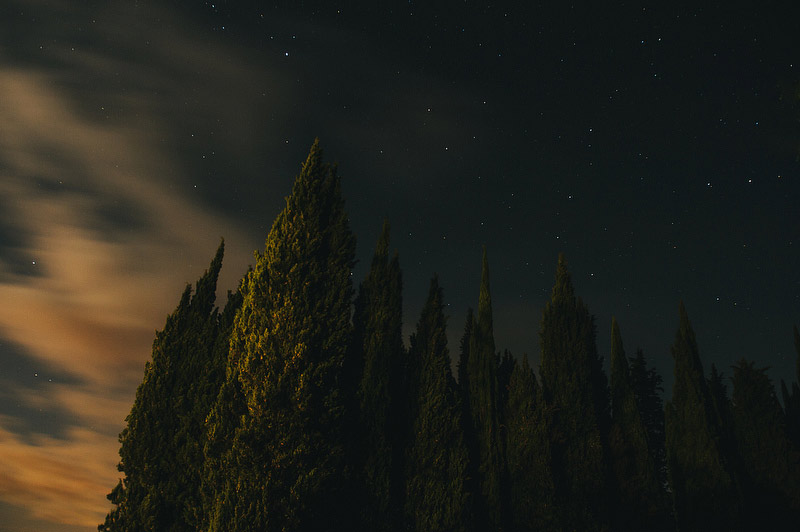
[[771, 464], [285, 464], [575, 394], [378, 345], [646, 383], [484, 408], [641, 500], [437, 498], [530, 483], [705, 495], [162, 444]]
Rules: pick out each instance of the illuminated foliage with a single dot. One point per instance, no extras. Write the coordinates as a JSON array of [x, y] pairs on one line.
[[437, 498], [705, 494], [285, 464], [163, 441], [575, 396]]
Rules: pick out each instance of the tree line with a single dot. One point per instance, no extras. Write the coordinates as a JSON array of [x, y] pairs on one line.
[[297, 406]]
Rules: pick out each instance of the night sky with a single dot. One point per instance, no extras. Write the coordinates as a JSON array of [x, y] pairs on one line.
[[657, 147]]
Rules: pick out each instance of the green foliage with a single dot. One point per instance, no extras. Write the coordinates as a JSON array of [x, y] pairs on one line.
[[641, 497], [705, 495], [646, 384], [575, 395], [163, 441], [378, 344], [530, 483], [437, 498], [484, 409], [771, 463], [285, 464]]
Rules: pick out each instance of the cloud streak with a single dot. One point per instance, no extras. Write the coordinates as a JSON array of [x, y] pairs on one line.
[[103, 229]]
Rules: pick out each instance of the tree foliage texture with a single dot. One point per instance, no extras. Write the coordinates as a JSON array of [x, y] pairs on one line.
[[437, 498], [483, 427], [641, 500], [575, 393], [771, 463], [705, 494], [379, 352], [286, 461], [163, 440]]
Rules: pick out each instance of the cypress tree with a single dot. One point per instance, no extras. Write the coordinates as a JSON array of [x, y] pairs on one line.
[[286, 464], [705, 496], [161, 447], [377, 324], [771, 464], [646, 383], [575, 395], [437, 498], [525, 471], [640, 494], [484, 408]]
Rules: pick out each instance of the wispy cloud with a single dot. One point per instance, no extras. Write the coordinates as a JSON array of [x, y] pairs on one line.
[[102, 228]]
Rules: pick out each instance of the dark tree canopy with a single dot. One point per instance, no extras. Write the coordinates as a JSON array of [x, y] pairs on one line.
[[483, 428], [770, 461], [300, 408], [575, 390], [705, 494], [288, 346], [437, 498], [378, 346], [163, 440], [641, 501]]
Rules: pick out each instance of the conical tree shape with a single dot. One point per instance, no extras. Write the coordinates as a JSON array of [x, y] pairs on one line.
[[525, 471], [379, 345], [640, 495], [484, 408], [703, 490], [646, 383], [771, 463], [161, 449], [436, 466], [575, 390], [287, 466]]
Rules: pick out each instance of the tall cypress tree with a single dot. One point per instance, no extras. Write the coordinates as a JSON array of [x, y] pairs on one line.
[[484, 408], [705, 496], [525, 472], [771, 464], [286, 462], [646, 383], [377, 324], [640, 494], [161, 447], [575, 392], [437, 498]]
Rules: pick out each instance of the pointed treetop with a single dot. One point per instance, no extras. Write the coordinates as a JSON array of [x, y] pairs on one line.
[[314, 159], [525, 364], [563, 289], [618, 360], [619, 370], [206, 287], [382, 248], [485, 298], [685, 332]]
